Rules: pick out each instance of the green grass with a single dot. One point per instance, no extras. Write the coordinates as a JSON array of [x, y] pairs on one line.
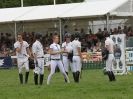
[[93, 85]]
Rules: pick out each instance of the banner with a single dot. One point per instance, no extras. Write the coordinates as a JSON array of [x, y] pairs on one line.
[[129, 56], [119, 65], [5, 62]]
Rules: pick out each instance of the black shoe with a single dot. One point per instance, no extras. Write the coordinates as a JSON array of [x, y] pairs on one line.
[[36, 78], [74, 76], [113, 76], [26, 77], [41, 79], [21, 78]]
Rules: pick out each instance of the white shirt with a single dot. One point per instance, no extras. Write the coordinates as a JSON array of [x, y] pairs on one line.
[[37, 49], [75, 45], [55, 47], [67, 47], [23, 52], [109, 42]]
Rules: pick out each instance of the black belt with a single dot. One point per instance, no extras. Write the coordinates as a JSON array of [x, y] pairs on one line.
[[56, 59], [64, 55], [40, 57]]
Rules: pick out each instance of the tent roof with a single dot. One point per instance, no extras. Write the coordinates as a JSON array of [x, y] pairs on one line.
[[94, 8], [73, 10]]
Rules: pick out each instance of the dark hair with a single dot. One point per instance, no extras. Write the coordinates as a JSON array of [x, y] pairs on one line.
[[107, 35], [37, 36], [55, 35]]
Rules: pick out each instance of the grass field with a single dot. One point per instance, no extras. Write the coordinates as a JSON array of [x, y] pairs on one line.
[[93, 85]]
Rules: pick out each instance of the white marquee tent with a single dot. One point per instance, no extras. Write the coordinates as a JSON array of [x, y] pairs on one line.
[[74, 10]]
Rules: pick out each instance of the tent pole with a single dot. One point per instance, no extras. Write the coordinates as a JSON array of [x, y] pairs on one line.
[[15, 30], [23, 27], [60, 24], [107, 21], [92, 27], [131, 5]]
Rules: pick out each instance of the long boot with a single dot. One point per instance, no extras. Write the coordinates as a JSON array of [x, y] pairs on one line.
[[77, 74], [113, 76], [36, 78], [74, 76], [41, 79], [65, 78], [26, 77], [109, 75], [21, 78]]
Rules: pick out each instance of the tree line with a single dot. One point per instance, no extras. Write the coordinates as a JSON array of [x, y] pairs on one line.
[[17, 3]]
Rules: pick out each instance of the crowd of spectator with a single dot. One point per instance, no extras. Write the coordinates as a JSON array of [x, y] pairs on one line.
[[90, 42]]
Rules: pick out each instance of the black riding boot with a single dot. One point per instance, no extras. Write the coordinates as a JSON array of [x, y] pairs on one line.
[[26, 77], [36, 78], [109, 75], [74, 76], [77, 76], [21, 78], [113, 76], [41, 79]]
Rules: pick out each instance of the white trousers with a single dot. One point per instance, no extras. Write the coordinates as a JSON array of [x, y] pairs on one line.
[[77, 63], [39, 68], [67, 63], [23, 63], [109, 62], [53, 65]]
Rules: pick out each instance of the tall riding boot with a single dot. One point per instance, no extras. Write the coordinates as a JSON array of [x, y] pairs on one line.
[[74, 76], [36, 78], [21, 78], [65, 78], [113, 76], [109, 75], [77, 74], [26, 77], [41, 79]]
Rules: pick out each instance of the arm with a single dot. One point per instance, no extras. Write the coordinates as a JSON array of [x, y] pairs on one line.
[[54, 52], [28, 51], [79, 51], [19, 49], [107, 46]]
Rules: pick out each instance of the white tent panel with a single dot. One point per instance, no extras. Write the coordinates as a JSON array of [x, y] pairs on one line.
[[9, 14], [96, 8], [47, 12], [77, 10]]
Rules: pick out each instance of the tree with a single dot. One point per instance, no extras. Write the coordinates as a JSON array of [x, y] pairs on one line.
[[17, 3]]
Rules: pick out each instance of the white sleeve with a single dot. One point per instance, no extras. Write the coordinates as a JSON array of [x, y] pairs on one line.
[[51, 46], [16, 45], [34, 48], [26, 44], [106, 43], [79, 44], [63, 45]]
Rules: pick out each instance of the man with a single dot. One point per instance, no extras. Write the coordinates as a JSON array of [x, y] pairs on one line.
[[109, 45], [67, 52], [23, 53], [38, 53], [76, 46], [55, 52]]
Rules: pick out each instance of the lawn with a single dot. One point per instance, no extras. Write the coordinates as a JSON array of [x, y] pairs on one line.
[[93, 85]]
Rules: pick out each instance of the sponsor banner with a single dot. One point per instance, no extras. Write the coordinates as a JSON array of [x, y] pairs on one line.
[[5, 62], [119, 65]]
